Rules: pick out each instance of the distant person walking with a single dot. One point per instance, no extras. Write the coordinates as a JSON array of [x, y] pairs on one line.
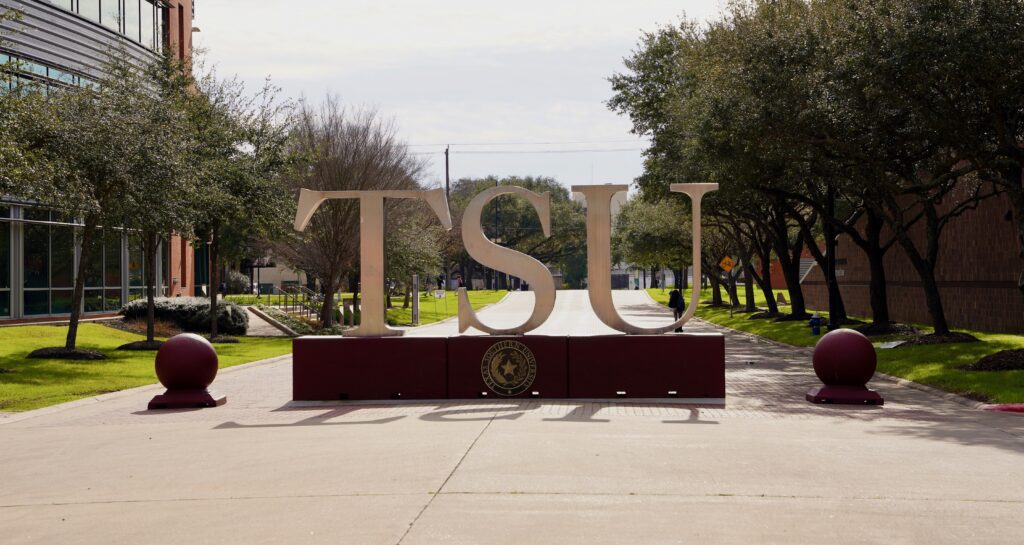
[[676, 303]]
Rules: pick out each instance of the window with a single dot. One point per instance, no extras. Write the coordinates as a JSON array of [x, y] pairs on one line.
[[147, 23], [90, 9], [5, 262], [36, 264], [65, 4], [103, 276], [131, 20], [111, 14]]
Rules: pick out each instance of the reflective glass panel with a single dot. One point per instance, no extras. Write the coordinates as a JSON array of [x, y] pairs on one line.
[[94, 271], [62, 255], [131, 19], [90, 9], [37, 302], [60, 301], [135, 263], [66, 4], [5, 252], [111, 14], [5, 303], [112, 259], [165, 264], [135, 293], [146, 22], [112, 300], [36, 256], [93, 300]]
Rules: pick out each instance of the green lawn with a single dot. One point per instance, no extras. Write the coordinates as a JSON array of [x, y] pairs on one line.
[[934, 365], [434, 310], [30, 384]]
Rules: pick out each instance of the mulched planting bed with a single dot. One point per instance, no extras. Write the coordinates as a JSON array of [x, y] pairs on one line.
[[892, 328], [1006, 360], [61, 353], [940, 339], [142, 345]]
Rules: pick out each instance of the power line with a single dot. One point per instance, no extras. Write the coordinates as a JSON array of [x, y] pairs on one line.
[[522, 143], [528, 152]]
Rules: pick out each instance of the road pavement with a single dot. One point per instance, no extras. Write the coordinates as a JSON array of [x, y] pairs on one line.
[[766, 468]]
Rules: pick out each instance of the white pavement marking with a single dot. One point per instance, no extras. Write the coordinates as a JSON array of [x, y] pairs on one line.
[[767, 467]]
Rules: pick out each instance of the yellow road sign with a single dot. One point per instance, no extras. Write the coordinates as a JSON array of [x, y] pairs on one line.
[[727, 263]]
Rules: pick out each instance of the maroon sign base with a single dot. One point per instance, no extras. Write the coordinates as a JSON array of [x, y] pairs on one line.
[[679, 366], [844, 395], [187, 399]]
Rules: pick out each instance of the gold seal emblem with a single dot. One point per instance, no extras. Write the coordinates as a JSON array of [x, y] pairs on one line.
[[508, 368]]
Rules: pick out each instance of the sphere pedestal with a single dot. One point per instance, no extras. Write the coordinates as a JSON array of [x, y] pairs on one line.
[[186, 364], [844, 361]]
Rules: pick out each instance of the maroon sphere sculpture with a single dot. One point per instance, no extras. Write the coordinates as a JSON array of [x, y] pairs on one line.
[[186, 362], [844, 357]]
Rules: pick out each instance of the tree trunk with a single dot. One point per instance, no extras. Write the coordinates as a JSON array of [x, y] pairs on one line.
[[838, 314], [685, 271], [716, 294], [405, 301], [925, 266], [327, 309], [878, 291], [654, 277], [214, 280], [355, 297], [730, 288], [150, 241], [1016, 192], [764, 281], [748, 288], [88, 232]]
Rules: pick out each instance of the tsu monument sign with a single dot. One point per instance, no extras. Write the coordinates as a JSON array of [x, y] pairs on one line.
[[374, 362]]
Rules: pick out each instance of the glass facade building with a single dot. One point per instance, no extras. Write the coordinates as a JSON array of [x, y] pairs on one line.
[[64, 43], [40, 252]]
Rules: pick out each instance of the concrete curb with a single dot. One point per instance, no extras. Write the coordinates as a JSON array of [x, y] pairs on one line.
[[278, 325], [10, 418]]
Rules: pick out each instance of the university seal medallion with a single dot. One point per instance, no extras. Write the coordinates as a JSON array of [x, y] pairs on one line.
[[508, 368]]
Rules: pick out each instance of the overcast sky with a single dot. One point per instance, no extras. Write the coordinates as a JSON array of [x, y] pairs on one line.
[[465, 73]]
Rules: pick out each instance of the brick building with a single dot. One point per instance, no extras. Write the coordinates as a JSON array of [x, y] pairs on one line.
[[977, 274]]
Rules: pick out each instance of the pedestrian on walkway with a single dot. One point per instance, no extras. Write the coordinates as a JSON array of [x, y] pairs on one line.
[[676, 303]]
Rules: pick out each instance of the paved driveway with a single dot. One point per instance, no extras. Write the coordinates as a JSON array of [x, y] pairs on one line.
[[766, 468]]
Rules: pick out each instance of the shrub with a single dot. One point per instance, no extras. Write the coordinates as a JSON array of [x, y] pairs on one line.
[[192, 314], [238, 283]]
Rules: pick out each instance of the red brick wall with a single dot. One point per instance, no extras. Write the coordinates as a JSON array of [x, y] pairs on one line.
[[977, 274], [179, 36]]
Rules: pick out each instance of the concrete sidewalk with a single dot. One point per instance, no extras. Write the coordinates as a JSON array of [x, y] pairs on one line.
[[766, 468]]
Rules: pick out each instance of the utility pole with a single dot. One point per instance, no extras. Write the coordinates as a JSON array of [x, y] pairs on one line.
[[447, 198]]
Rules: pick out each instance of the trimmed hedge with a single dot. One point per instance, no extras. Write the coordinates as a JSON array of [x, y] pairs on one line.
[[192, 314]]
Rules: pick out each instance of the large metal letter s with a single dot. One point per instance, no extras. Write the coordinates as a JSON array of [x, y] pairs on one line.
[[507, 260]]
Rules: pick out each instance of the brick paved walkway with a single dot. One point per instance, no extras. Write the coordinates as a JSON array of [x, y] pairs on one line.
[[767, 467]]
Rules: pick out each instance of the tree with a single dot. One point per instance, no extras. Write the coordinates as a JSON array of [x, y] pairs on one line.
[[342, 150], [242, 156], [95, 141], [653, 235], [515, 223], [162, 190]]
